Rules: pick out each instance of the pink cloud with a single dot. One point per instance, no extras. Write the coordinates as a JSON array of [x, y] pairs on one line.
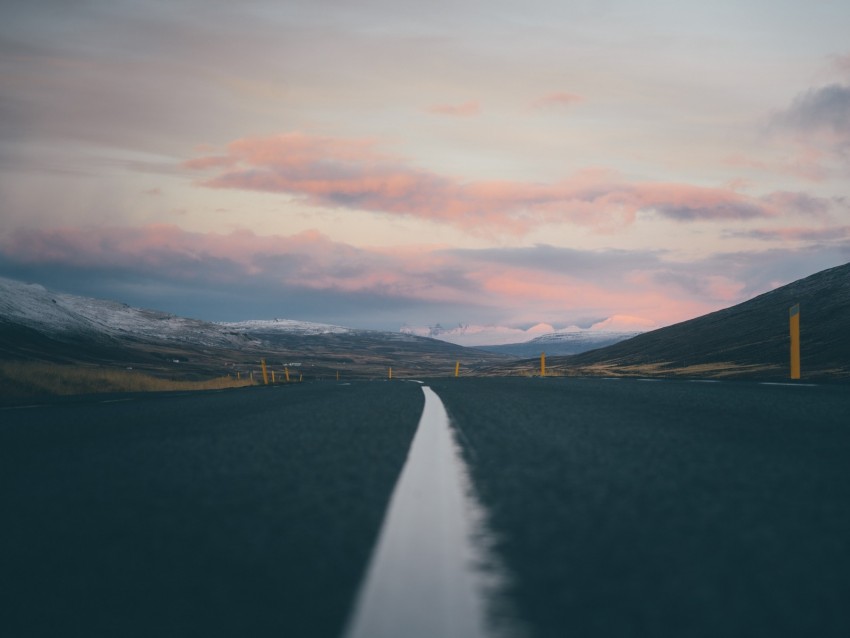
[[524, 287], [624, 323], [557, 99], [723, 288], [305, 260], [462, 110], [552, 296], [212, 161], [353, 174]]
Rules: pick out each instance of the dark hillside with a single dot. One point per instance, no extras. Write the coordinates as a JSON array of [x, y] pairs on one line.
[[749, 339]]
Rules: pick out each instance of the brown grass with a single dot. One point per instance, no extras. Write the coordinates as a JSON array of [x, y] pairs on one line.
[[666, 369], [21, 378]]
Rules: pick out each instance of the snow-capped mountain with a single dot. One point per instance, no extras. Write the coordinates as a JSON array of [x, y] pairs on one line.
[[290, 326], [583, 337], [39, 324], [35, 307], [523, 341]]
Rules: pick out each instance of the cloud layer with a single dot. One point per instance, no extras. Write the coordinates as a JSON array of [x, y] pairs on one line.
[[353, 174], [823, 109], [463, 110], [241, 275], [637, 133], [557, 99]]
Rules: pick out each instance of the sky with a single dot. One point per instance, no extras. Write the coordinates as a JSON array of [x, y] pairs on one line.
[[473, 170]]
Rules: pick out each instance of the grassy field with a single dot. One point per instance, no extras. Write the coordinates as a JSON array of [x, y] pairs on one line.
[[561, 367], [23, 378]]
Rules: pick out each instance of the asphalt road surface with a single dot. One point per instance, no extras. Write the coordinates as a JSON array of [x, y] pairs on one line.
[[665, 508], [241, 513], [621, 508]]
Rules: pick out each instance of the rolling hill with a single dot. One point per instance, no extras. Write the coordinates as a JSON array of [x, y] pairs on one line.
[[40, 325], [558, 343], [750, 339]]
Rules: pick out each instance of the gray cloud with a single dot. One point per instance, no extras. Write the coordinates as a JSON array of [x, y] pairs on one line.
[[598, 265], [827, 108], [717, 211], [243, 276], [233, 298], [804, 203], [824, 235], [754, 272]]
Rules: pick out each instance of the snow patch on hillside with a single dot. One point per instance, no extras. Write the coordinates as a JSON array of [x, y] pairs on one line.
[[38, 308], [289, 326], [615, 328]]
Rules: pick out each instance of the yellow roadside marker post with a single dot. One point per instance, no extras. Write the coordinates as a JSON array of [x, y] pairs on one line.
[[273, 377], [300, 377], [391, 373], [794, 318], [286, 372], [457, 369], [542, 364], [265, 374]]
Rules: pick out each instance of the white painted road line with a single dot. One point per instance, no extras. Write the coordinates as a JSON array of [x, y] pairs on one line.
[[793, 385], [422, 581]]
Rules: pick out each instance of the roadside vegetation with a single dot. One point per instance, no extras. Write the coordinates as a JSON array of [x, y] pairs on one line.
[[24, 378]]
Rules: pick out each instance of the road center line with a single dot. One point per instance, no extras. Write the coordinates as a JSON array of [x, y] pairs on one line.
[[793, 385], [427, 577]]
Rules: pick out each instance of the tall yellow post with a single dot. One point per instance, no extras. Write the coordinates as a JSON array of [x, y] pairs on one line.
[[286, 372], [238, 376], [300, 377], [794, 316], [391, 373], [265, 374], [542, 364], [457, 369], [273, 376]]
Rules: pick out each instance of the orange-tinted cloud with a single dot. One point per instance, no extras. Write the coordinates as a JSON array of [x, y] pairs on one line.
[[465, 109], [624, 323], [557, 99], [353, 174]]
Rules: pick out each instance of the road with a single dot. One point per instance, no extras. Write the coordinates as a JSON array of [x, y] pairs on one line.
[[665, 508], [240, 513], [621, 507]]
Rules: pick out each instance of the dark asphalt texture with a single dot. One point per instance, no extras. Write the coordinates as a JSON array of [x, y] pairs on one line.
[[664, 508], [241, 513], [622, 507]]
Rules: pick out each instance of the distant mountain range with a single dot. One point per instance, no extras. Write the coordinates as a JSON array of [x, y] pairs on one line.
[[39, 325], [750, 339], [560, 343]]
